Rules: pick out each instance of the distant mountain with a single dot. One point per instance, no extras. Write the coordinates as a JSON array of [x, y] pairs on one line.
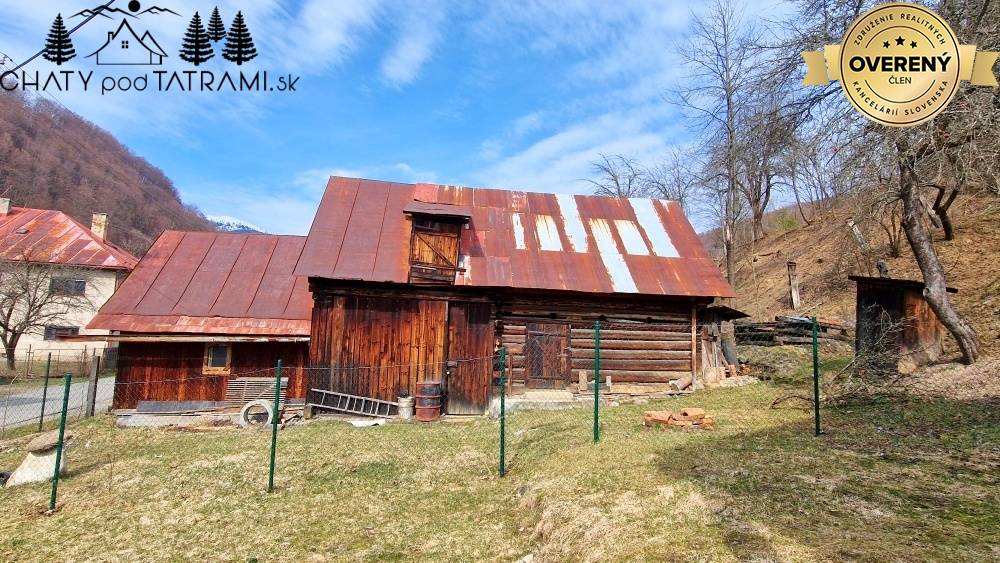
[[229, 224], [51, 158]]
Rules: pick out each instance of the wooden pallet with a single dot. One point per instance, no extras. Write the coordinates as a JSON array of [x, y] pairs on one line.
[[352, 404], [242, 390]]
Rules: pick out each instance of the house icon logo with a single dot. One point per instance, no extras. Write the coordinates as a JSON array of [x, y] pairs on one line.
[[125, 47]]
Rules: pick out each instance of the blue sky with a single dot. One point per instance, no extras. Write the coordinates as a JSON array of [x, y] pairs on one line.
[[513, 94]]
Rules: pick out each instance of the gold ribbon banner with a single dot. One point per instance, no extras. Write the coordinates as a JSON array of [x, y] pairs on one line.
[[823, 67]]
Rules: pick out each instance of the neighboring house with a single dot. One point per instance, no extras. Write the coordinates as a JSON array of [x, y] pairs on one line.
[[203, 308], [420, 282], [125, 47], [76, 261]]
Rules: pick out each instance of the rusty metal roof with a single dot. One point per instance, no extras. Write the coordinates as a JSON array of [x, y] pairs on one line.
[[515, 239], [52, 237], [213, 283]]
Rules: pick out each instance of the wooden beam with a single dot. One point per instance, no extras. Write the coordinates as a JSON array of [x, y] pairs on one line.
[[694, 341]]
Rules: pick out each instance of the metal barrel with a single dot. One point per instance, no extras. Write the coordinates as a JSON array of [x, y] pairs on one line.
[[428, 404]]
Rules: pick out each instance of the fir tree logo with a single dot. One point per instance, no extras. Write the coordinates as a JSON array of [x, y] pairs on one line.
[[58, 46], [216, 29], [239, 44], [197, 46]]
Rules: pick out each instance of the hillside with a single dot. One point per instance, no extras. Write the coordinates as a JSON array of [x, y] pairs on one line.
[[826, 252], [52, 158]]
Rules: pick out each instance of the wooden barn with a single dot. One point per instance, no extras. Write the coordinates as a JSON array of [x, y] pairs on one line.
[[205, 313], [896, 327], [417, 282]]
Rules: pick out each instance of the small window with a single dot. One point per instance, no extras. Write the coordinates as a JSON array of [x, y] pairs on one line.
[[124, 44], [57, 332], [218, 359], [67, 286]]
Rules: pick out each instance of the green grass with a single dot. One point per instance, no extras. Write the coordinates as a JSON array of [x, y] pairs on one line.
[[889, 482]]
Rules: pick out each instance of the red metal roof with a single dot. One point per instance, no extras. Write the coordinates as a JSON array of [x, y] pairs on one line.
[[52, 237], [213, 283], [515, 239]]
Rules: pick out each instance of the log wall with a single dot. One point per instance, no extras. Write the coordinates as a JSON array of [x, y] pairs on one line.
[[639, 344]]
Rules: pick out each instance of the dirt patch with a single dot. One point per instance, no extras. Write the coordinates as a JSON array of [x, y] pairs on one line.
[[956, 381]]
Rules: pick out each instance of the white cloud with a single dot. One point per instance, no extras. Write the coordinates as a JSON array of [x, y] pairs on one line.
[[287, 207], [559, 162], [491, 149], [323, 34], [419, 33]]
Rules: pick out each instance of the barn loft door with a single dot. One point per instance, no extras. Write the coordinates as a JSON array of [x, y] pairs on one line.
[[434, 251], [546, 355]]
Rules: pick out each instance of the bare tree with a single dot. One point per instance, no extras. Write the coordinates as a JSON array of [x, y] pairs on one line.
[[618, 176], [764, 135], [942, 155], [623, 176], [674, 178], [719, 57], [34, 295]]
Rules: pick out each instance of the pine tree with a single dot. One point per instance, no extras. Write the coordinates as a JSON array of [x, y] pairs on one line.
[[58, 46], [239, 44], [197, 48], [216, 29]]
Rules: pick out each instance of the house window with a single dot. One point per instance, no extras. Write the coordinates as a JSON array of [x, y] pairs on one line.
[[124, 44], [67, 286], [57, 332], [218, 359]]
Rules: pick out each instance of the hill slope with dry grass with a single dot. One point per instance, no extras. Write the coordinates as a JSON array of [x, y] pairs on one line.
[[826, 252], [51, 158]]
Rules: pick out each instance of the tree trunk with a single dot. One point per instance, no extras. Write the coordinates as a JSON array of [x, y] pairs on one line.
[[10, 348], [930, 266]]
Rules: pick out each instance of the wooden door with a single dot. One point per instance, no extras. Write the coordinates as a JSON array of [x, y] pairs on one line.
[[433, 252], [546, 353], [470, 358]]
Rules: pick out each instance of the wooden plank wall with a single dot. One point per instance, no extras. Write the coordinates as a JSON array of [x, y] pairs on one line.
[[923, 332], [151, 371], [378, 346]]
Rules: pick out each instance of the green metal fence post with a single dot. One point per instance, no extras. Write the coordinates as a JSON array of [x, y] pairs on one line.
[[275, 415], [503, 411], [815, 343], [45, 391], [597, 381], [67, 382]]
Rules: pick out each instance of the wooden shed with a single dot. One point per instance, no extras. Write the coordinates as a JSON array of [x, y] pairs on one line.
[[205, 313], [896, 326], [418, 282]]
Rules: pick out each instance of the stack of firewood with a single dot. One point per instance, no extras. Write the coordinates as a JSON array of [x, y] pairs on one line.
[[688, 419]]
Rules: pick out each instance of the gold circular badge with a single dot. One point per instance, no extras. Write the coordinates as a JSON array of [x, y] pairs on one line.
[[899, 64]]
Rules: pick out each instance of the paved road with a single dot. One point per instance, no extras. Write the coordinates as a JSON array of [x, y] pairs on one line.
[[24, 408]]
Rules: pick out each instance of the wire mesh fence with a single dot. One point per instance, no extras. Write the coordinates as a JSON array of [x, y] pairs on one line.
[[30, 401], [547, 394]]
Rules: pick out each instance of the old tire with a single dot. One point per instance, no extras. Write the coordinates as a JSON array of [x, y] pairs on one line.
[[251, 415]]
